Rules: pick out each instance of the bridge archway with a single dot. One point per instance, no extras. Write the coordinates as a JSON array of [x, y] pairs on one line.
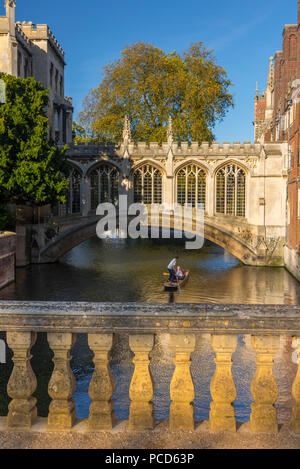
[[72, 237]]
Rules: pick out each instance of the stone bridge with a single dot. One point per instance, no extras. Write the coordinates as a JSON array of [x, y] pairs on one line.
[[242, 188]]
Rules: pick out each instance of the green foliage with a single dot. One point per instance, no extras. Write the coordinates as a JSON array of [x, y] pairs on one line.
[[7, 221], [149, 85], [31, 166], [80, 133]]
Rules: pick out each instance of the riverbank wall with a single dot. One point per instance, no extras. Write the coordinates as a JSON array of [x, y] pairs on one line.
[[7, 258]]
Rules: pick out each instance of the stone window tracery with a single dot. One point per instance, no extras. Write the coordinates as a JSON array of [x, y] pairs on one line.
[[231, 190], [104, 182], [148, 185], [73, 196], [191, 185]]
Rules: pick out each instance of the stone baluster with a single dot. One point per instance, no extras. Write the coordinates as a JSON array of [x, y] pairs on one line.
[[22, 383], [182, 387], [263, 417], [295, 423], [141, 387], [62, 385], [102, 416], [222, 387]]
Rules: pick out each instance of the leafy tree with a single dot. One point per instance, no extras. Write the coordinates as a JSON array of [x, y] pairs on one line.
[[148, 86], [31, 166], [80, 133], [7, 220]]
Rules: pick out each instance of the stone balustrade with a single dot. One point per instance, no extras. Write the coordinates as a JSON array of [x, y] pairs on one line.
[[183, 322]]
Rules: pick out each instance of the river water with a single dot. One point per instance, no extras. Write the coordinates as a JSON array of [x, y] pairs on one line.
[[131, 271]]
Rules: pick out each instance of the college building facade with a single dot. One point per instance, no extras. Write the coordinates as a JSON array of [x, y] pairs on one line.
[[277, 119], [28, 50]]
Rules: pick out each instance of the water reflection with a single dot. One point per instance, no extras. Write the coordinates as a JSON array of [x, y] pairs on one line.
[[131, 270]]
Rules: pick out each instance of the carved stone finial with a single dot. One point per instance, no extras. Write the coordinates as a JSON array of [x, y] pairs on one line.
[[10, 4], [170, 131], [126, 130], [256, 91], [271, 74]]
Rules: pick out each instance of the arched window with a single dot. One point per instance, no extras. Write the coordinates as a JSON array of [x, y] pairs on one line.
[[104, 185], [231, 190], [73, 199], [191, 185], [292, 46], [148, 185]]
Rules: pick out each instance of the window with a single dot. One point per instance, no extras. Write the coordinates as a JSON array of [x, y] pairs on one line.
[[104, 185], [61, 87], [231, 191], [191, 185], [292, 46], [19, 64], [148, 185], [73, 197], [51, 75], [56, 80]]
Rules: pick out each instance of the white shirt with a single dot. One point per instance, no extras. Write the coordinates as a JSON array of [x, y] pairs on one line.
[[172, 264]]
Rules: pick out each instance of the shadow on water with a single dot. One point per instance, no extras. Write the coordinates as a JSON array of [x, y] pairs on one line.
[[132, 271]]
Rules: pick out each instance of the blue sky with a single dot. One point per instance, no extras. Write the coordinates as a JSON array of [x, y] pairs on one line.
[[243, 34]]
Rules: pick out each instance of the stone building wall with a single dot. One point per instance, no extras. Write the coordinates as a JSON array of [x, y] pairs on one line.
[[277, 119], [32, 50]]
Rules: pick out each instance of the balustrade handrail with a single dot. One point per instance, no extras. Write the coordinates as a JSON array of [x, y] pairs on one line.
[[141, 322], [77, 317]]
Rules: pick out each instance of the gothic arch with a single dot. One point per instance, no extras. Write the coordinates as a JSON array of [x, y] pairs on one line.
[[148, 162], [148, 183], [97, 164], [230, 180], [191, 184]]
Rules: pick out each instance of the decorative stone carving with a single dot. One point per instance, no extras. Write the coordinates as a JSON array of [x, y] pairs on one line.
[[62, 385], [102, 416], [182, 386], [212, 162], [295, 423], [170, 135], [126, 131], [251, 163], [22, 383], [141, 386], [222, 387], [263, 387]]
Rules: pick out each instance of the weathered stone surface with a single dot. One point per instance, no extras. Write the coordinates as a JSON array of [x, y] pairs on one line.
[[22, 382], [295, 423], [159, 438], [222, 387], [149, 318], [102, 416], [141, 386], [62, 385], [7, 258], [263, 417], [182, 387]]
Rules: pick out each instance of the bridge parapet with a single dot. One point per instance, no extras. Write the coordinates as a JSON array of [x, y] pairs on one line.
[[251, 244], [153, 148], [182, 324]]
